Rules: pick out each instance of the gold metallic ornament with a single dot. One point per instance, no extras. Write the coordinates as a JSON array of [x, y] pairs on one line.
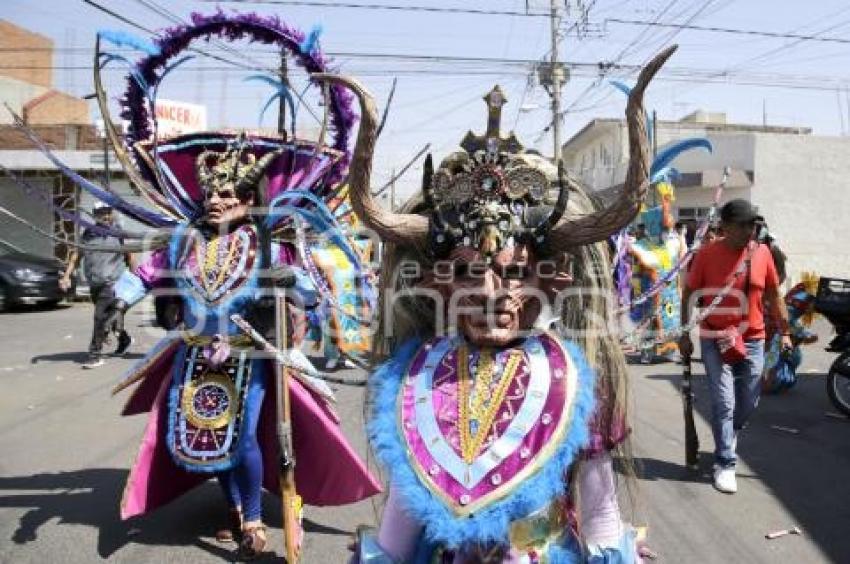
[[208, 403]]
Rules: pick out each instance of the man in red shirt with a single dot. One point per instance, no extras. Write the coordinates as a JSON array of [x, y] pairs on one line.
[[735, 388]]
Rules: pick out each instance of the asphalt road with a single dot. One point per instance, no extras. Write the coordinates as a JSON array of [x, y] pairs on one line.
[[65, 454]]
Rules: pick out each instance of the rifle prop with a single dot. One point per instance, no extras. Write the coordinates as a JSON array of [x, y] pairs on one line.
[[691, 438], [309, 377]]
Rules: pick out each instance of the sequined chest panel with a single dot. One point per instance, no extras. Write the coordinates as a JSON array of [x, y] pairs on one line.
[[477, 422], [220, 266], [207, 409]]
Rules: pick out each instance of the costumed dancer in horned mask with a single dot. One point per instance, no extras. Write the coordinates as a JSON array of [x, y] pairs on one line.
[[217, 204], [487, 431]]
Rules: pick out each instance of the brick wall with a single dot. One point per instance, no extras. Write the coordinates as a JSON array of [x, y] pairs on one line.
[[28, 49], [55, 107], [61, 137]]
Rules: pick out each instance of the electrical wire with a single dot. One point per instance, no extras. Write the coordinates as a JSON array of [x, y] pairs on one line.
[[396, 8], [175, 19], [733, 31]]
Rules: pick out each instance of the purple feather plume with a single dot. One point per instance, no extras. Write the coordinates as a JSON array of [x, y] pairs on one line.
[[266, 30]]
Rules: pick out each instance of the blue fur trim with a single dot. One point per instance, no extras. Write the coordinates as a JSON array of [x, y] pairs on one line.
[[491, 524]]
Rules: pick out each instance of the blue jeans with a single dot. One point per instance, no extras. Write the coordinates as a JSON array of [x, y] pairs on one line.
[[243, 484], [735, 391]]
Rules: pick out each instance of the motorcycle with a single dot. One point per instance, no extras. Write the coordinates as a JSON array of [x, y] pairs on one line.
[[833, 302]]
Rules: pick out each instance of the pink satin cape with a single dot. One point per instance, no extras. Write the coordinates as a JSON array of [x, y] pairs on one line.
[[327, 470]]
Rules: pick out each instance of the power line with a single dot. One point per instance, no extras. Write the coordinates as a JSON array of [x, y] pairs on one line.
[[352, 5], [595, 84], [734, 31], [175, 19], [135, 25], [117, 16], [760, 58], [581, 70]]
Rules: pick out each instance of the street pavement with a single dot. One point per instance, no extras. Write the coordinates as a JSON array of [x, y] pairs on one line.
[[65, 454]]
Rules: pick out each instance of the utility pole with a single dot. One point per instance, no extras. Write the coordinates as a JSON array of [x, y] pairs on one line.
[[281, 113], [552, 76], [556, 82], [392, 192]]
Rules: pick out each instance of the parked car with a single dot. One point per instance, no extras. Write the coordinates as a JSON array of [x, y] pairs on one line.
[[29, 279]]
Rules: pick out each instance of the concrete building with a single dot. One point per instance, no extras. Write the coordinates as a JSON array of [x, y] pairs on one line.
[[64, 123], [26, 81], [797, 180]]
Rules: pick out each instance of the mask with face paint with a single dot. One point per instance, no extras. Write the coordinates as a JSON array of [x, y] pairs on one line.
[[229, 180], [479, 428], [494, 212]]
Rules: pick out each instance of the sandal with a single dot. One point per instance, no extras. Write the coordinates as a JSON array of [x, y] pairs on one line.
[[233, 533], [253, 542]]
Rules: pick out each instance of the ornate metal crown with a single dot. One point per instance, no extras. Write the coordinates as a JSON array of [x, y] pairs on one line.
[[491, 194], [236, 167]]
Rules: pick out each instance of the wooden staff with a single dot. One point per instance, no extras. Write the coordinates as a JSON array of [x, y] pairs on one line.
[[289, 497]]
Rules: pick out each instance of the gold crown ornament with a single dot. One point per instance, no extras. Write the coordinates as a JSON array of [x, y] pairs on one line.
[[491, 194], [235, 168]]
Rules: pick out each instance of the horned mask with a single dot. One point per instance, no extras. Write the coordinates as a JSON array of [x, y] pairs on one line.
[[493, 212]]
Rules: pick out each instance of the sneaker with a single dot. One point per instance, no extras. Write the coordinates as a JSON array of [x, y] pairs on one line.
[[349, 364], [93, 362], [124, 342], [331, 364], [724, 480]]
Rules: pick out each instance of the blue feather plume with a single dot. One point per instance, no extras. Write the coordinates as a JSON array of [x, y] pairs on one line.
[[103, 230], [134, 71], [281, 91], [173, 66], [627, 90], [666, 155], [321, 218], [666, 174], [309, 43], [124, 39], [140, 214], [330, 230], [296, 194]]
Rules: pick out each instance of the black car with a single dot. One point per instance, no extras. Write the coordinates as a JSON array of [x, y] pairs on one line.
[[29, 279]]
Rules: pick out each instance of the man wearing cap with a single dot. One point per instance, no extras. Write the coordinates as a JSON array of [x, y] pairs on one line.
[[742, 272], [102, 269]]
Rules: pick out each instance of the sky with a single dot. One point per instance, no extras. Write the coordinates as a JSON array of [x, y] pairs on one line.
[[754, 79]]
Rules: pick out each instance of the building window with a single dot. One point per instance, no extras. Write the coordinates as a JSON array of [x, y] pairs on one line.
[[692, 214]]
